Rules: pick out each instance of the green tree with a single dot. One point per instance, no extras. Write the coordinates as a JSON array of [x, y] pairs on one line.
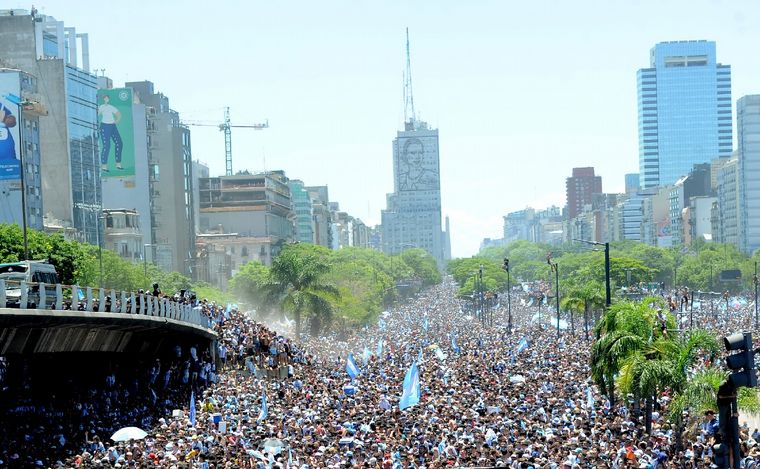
[[250, 284], [423, 266], [296, 281]]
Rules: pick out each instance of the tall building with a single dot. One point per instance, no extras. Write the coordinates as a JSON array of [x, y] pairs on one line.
[[123, 235], [200, 171], [748, 128], [58, 57], [412, 217], [170, 182], [697, 183], [252, 205], [632, 184], [320, 199], [20, 141], [304, 212], [580, 188], [729, 207], [684, 101]]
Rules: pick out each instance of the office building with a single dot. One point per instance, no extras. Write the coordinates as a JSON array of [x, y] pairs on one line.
[[249, 205], [696, 183], [748, 129], [200, 171], [412, 217], [303, 210], [170, 182], [684, 101], [728, 204], [58, 56], [20, 112], [320, 206], [632, 184], [580, 188]]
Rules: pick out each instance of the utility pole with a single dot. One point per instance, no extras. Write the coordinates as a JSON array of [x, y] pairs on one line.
[[607, 286], [755, 281]]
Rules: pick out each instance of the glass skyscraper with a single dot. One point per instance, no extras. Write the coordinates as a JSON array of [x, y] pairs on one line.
[[684, 102]]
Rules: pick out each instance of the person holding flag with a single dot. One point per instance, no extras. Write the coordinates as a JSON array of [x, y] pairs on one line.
[[264, 409], [411, 389], [351, 368]]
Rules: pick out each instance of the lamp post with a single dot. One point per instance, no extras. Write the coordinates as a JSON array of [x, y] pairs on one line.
[[555, 268], [481, 301], [755, 281], [509, 296], [22, 178], [101, 234], [607, 287]]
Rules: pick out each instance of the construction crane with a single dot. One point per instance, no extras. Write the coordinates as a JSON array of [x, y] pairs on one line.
[[226, 127]]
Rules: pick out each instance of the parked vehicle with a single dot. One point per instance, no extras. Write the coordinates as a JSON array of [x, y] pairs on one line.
[[33, 273]]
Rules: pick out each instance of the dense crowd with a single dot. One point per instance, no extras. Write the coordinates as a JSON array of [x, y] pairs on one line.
[[489, 398]]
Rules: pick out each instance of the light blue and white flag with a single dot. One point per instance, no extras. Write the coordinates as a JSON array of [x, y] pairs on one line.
[[264, 409], [425, 324], [522, 345], [192, 408], [590, 398], [419, 356], [439, 354], [380, 348], [381, 324], [411, 390], [490, 437], [351, 368], [365, 356], [454, 345]]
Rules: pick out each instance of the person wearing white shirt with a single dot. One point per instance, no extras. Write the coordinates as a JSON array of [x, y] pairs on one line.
[[109, 117]]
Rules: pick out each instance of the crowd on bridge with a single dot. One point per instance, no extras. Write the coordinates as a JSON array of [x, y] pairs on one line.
[[489, 397]]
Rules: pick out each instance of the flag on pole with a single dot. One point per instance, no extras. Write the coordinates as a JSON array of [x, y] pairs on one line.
[[192, 408], [411, 390], [365, 356], [381, 324], [590, 398], [264, 408], [522, 345], [380, 348], [351, 368], [454, 345]]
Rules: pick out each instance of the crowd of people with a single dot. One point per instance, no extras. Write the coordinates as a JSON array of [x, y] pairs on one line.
[[490, 397]]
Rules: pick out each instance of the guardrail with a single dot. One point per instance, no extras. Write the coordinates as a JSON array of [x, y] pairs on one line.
[[28, 295]]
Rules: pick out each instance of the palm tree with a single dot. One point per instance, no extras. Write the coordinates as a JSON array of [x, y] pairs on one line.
[[573, 302], [295, 283]]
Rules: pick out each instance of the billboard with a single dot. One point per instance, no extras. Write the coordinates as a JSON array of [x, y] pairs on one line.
[[10, 141], [417, 163], [117, 146]]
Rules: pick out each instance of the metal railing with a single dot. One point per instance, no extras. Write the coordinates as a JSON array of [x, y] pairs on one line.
[[58, 297]]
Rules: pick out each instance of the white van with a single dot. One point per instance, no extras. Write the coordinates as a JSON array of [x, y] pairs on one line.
[[33, 273]]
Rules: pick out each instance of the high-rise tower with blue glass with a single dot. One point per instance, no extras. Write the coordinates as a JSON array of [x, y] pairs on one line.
[[684, 101]]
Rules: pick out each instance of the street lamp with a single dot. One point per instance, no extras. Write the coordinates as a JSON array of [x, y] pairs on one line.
[[553, 267], [101, 235], [607, 289], [509, 296]]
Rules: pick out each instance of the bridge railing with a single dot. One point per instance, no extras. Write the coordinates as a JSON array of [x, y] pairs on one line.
[[58, 297]]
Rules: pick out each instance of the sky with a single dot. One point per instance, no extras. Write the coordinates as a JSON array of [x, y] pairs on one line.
[[521, 92]]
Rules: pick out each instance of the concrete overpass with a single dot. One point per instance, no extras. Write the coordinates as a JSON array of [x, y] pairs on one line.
[[140, 324]]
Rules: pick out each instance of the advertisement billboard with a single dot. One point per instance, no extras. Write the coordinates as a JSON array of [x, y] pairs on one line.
[[117, 146], [10, 141]]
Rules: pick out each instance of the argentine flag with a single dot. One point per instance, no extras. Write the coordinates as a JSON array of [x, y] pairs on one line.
[[380, 348], [522, 345], [425, 324], [351, 368], [411, 391], [365, 356], [590, 398], [264, 409], [192, 408], [454, 345]]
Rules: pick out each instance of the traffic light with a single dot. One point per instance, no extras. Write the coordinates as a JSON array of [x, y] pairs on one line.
[[742, 363]]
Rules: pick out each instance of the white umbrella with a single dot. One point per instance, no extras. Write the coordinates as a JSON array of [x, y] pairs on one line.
[[273, 445], [129, 433]]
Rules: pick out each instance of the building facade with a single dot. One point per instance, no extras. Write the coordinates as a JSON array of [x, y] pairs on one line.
[[20, 110], [304, 212], [170, 182], [122, 234], [580, 188], [684, 102], [729, 207], [412, 217], [748, 128], [59, 57]]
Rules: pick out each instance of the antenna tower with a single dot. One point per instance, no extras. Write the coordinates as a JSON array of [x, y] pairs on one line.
[[409, 114]]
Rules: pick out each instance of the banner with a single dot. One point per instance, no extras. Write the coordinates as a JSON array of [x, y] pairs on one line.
[[10, 141], [117, 146]]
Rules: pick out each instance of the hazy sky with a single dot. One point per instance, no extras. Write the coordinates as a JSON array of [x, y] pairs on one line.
[[520, 91]]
